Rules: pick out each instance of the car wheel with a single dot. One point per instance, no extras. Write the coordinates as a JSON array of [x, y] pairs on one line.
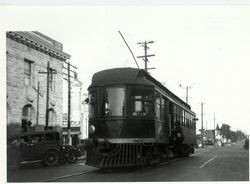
[[71, 156], [51, 158], [185, 151]]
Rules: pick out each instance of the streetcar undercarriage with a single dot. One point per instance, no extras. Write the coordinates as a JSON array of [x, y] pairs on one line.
[[107, 155]]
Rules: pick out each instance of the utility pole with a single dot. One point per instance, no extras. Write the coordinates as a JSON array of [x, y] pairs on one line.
[[145, 57], [187, 87], [48, 72], [202, 130], [69, 98], [37, 106], [214, 128], [187, 94], [69, 105]]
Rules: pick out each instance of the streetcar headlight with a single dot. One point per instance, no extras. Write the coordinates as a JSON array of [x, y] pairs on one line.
[[92, 129]]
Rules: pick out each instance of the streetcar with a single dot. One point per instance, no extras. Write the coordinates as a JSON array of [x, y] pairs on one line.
[[132, 118]]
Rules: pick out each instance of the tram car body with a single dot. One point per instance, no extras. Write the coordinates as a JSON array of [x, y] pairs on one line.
[[132, 119]]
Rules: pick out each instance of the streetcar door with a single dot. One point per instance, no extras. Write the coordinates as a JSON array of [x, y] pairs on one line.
[[171, 117]]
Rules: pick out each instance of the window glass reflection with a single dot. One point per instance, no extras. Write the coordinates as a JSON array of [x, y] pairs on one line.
[[92, 104]]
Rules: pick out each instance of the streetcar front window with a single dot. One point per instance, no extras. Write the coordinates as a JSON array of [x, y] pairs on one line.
[[141, 102], [113, 101]]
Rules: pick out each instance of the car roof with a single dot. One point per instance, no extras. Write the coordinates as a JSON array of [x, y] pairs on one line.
[[37, 132]]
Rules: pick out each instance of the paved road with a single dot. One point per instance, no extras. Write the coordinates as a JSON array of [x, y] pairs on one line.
[[229, 163]]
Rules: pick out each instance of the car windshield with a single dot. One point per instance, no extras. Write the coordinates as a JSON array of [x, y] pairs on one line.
[[52, 136]]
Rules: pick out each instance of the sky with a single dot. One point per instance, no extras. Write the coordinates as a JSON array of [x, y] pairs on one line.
[[204, 47]]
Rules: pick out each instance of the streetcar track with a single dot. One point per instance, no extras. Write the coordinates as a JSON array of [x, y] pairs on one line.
[[68, 176], [157, 165], [81, 173], [201, 152]]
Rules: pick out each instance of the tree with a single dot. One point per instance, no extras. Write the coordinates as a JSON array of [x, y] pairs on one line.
[[225, 131]]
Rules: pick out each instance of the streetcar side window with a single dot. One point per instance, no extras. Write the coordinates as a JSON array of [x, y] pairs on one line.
[[163, 109], [181, 116], [158, 107]]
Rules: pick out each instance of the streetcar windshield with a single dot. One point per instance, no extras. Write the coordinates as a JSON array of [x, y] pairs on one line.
[[113, 101], [92, 104], [141, 101]]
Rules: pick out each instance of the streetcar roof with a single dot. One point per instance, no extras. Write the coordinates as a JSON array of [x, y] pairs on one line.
[[119, 76], [133, 76]]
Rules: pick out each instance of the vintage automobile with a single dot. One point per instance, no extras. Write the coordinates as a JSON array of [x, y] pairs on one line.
[[45, 147]]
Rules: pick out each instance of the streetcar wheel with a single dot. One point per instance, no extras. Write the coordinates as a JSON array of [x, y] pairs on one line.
[[51, 158], [71, 156]]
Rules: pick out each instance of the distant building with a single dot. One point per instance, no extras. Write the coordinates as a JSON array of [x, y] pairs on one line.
[[27, 54], [218, 137]]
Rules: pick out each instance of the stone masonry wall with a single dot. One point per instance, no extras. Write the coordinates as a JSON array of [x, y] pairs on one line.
[[19, 95]]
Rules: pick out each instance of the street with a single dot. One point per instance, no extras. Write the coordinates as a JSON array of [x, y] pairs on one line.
[[229, 163]]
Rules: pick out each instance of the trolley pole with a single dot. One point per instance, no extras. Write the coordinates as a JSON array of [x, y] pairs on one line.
[[202, 129], [145, 57]]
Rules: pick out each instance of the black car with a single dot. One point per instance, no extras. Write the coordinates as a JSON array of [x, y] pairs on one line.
[[45, 147]]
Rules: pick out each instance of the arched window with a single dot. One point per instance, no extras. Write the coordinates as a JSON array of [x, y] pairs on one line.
[[52, 117], [28, 112], [28, 117]]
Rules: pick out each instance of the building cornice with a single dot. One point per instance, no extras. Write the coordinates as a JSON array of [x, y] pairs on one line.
[[34, 42]]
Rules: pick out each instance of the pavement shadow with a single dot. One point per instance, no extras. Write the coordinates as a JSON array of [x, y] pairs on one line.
[[119, 170]]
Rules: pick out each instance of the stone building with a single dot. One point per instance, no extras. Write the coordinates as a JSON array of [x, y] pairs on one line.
[[29, 55]]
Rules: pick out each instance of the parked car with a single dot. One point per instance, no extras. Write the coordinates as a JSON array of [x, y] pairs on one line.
[[209, 142], [45, 147]]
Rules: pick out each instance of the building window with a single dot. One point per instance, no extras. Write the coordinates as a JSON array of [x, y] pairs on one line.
[[27, 72], [51, 117], [51, 79], [28, 114]]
